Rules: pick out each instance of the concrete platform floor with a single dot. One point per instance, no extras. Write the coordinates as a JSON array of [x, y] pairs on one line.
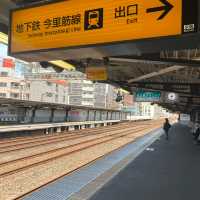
[[167, 170]]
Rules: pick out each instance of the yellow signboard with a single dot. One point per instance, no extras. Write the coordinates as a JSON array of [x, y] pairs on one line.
[[96, 73], [76, 23]]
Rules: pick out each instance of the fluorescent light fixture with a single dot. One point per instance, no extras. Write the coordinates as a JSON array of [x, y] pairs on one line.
[[157, 73], [3, 38], [62, 64], [121, 90], [124, 91]]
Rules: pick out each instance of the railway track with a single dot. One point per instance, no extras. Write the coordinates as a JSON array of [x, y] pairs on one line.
[[34, 142], [19, 154], [46, 141], [31, 172], [42, 158]]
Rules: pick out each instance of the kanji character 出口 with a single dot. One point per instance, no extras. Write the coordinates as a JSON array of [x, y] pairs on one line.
[[120, 12], [132, 10]]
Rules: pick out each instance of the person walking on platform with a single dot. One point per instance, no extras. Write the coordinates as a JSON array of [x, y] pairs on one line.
[[166, 128]]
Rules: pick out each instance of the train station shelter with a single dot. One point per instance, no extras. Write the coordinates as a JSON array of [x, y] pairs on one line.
[[148, 45], [150, 48]]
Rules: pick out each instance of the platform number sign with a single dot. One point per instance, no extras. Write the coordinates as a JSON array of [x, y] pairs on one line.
[[190, 16]]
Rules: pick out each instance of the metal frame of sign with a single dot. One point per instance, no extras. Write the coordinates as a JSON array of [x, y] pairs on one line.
[[189, 16]]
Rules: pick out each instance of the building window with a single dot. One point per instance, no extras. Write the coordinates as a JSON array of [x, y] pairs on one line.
[[49, 84], [49, 94], [2, 94], [4, 74], [14, 95], [56, 87], [56, 98], [3, 84], [14, 85], [28, 85]]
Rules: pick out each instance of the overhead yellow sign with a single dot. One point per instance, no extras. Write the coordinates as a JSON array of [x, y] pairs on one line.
[[75, 23], [96, 73]]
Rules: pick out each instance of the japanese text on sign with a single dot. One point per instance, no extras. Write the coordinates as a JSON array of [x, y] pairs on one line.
[[76, 23]]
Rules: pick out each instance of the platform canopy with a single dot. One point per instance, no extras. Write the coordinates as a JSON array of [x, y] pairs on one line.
[[162, 52]]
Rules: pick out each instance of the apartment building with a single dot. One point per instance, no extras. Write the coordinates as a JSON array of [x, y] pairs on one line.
[[100, 95], [49, 91], [15, 88], [81, 92], [111, 95], [105, 96]]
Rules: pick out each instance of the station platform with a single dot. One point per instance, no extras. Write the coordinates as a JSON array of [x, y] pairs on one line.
[[166, 170], [8, 131], [150, 168], [31, 127]]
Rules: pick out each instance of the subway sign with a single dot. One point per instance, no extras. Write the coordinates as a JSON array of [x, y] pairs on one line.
[[96, 73], [80, 23], [148, 96]]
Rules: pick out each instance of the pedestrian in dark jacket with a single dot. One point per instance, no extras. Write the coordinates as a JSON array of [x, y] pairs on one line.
[[166, 128], [197, 134]]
